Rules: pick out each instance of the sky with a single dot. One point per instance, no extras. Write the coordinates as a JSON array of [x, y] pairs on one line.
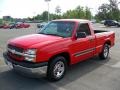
[[29, 8]]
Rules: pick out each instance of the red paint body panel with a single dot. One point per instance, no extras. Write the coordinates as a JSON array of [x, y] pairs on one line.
[[48, 46], [6, 26]]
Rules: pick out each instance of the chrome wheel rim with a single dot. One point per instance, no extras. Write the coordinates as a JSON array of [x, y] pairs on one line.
[[106, 52], [59, 69]]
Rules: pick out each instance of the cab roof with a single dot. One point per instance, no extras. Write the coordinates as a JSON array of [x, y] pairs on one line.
[[74, 20]]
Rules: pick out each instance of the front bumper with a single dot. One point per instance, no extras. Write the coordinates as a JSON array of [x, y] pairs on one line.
[[23, 65]]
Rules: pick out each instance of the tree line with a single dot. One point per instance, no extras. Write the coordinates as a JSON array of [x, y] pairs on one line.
[[106, 11], [78, 12]]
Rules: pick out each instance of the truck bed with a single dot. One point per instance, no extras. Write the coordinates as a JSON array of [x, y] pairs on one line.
[[99, 31], [103, 36]]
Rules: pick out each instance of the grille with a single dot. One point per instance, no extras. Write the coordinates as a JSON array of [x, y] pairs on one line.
[[15, 56], [15, 48]]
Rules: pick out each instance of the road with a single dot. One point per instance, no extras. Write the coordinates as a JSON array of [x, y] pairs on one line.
[[92, 74]]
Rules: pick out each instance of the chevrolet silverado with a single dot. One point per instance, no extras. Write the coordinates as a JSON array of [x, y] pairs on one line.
[[58, 45]]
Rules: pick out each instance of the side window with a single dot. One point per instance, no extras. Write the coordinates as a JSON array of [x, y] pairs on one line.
[[84, 27]]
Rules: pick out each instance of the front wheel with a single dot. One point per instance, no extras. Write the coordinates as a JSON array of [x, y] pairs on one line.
[[105, 52], [118, 25], [56, 68]]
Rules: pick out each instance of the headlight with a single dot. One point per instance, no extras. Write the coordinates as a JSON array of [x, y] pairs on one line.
[[30, 55], [31, 51]]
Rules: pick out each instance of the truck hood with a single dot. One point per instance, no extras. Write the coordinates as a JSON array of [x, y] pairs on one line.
[[29, 40]]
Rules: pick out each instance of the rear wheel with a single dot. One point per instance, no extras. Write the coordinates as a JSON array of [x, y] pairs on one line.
[[105, 52], [56, 68]]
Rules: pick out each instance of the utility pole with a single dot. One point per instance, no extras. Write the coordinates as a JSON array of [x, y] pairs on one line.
[[48, 9], [91, 13]]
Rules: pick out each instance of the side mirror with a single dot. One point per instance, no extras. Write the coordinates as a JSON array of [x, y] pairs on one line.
[[81, 35]]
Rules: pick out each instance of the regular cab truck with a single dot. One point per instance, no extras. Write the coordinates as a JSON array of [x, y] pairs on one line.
[[58, 45]]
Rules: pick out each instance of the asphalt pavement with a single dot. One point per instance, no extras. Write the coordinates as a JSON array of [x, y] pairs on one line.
[[92, 74]]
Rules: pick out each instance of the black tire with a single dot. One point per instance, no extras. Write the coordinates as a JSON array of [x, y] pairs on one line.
[[105, 52], [52, 69], [118, 25]]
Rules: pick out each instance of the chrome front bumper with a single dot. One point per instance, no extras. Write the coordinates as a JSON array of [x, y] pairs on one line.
[[25, 67], [30, 70]]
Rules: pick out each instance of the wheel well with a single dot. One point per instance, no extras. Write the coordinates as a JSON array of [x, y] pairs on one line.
[[108, 42], [64, 54]]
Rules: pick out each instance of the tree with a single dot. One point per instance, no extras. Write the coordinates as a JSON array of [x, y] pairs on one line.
[[104, 12], [58, 10], [1, 21], [79, 12], [114, 10], [88, 14], [109, 11], [45, 15]]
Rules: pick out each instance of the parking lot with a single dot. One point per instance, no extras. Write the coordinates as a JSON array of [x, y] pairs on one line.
[[92, 74]]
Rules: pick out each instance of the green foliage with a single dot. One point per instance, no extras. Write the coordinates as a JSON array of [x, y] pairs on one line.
[[79, 13], [58, 10], [43, 17], [88, 14], [109, 11], [55, 16], [1, 21]]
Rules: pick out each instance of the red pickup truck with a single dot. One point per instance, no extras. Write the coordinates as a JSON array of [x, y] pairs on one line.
[[58, 45]]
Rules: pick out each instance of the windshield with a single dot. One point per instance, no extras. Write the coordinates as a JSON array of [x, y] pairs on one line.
[[58, 28]]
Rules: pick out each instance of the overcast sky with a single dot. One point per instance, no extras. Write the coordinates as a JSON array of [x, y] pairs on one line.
[[29, 8]]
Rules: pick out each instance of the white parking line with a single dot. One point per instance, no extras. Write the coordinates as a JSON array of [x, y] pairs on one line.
[[58, 88], [117, 65]]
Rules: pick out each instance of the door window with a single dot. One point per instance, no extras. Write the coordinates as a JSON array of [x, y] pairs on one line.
[[84, 27]]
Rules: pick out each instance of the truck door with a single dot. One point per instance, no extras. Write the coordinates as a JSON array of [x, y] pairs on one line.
[[82, 47]]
